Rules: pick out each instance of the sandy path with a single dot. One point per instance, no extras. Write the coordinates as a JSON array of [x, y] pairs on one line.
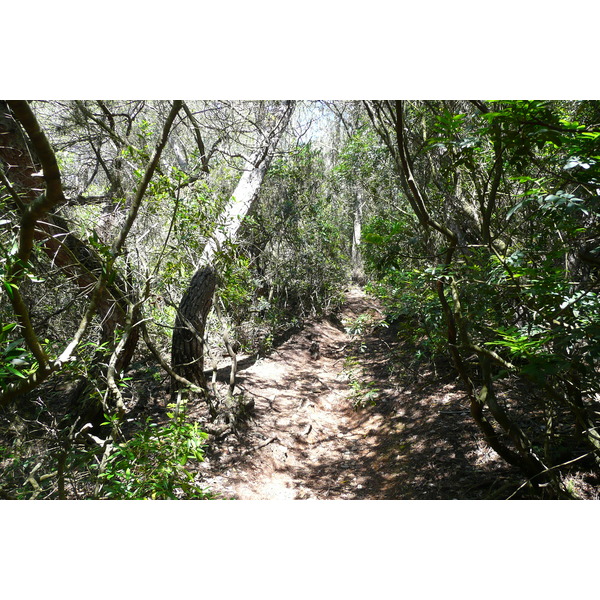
[[306, 439]]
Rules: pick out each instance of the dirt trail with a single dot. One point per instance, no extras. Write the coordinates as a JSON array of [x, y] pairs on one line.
[[306, 439]]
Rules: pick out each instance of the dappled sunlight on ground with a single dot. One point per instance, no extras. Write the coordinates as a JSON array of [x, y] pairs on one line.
[[309, 437]]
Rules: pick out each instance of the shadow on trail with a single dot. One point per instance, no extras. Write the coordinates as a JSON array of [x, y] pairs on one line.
[[304, 439], [425, 445]]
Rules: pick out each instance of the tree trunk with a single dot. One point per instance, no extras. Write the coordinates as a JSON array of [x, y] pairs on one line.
[[246, 193], [21, 156], [187, 345], [357, 264], [458, 337], [187, 353]]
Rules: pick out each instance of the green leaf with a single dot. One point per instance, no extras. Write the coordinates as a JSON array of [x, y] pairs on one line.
[[9, 288], [14, 345], [515, 208], [15, 372], [373, 238]]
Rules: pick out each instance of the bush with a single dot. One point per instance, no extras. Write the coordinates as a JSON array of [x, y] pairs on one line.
[[153, 464]]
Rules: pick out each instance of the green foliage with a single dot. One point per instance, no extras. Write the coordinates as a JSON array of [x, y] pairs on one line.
[[388, 241], [410, 299], [364, 392], [300, 229], [154, 463], [362, 159], [357, 326], [517, 184], [237, 280], [13, 357]]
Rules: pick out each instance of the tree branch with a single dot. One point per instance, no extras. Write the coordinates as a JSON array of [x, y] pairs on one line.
[[118, 244], [198, 136]]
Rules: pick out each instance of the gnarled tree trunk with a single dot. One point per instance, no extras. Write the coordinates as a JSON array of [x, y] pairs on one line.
[[187, 345], [23, 158], [187, 353]]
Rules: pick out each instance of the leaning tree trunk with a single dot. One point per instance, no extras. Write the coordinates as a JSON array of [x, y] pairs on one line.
[[187, 353], [243, 200], [187, 344]]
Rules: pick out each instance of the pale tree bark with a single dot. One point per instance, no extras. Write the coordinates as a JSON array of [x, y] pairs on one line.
[[247, 190], [356, 255], [187, 346]]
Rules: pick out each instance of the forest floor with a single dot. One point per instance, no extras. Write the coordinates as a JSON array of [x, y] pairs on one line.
[[362, 420]]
